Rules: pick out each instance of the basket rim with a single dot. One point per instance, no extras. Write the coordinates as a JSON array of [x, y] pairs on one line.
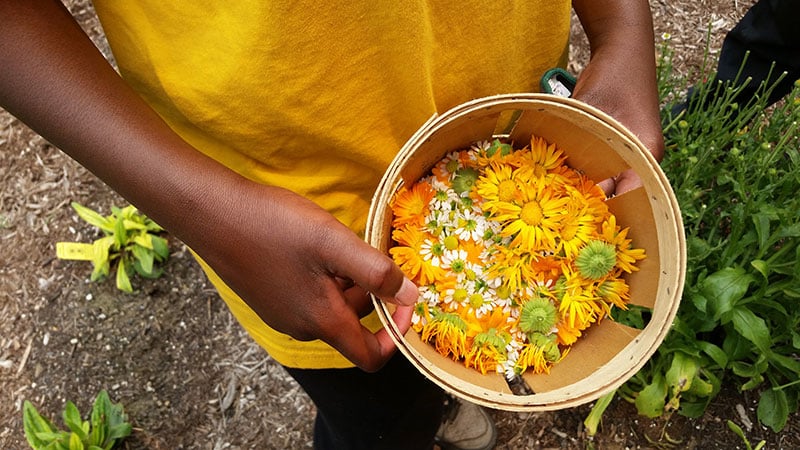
[[576, 393]]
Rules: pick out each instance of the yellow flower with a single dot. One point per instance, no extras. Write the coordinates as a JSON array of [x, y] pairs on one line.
[[512, 265], [577, 228], [535, 222], [498, 184], [532, 357], [614, 291], [496, 320], [484, 354], [488, 336], [447, 331], [541, 158], [545, 269], [586, 192], [578, 307], [410, 206], [626, 256], [567, 335]]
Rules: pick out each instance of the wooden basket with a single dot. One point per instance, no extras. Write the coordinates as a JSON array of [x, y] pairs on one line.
[[608, 353]]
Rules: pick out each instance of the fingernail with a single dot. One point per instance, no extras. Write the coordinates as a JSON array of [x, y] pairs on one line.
[[408, 293]]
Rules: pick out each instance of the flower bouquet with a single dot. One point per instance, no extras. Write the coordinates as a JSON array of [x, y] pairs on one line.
[[494, 210]]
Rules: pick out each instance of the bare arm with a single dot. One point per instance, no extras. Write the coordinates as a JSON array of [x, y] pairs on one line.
[[620, 78], [282, 254]]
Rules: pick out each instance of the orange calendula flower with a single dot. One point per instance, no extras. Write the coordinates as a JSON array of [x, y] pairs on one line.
[[409, 256], [487, 351], [567, 335], [410, 206]]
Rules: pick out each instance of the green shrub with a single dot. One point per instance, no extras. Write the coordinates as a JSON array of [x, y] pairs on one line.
[[105, 428], [130, 239], [735, 169]]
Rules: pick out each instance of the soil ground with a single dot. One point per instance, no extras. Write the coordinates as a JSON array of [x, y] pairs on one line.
[[188, 375]]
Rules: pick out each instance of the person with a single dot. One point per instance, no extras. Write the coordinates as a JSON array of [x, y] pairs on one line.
[[257, 131], [762, 49]]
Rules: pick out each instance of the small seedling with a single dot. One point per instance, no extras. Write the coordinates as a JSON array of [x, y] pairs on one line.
[[104, 429], [130, 239]]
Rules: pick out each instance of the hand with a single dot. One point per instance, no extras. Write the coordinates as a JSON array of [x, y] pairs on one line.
[[306, 274], [630, 107]]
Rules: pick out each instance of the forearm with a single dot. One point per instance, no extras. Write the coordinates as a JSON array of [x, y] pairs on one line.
[[59, 84], [622, 69]]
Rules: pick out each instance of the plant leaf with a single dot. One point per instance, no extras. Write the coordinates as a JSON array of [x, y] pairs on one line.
[[93, 217], [33, 423], [144, 257], [681, 372], [101, 256], [123, 281], [753, 328], [161, 247], [715, 353], [119, 431], [761, 222], [72, 418], [74, 251], [773, 409], [98, 418], [724, 288], [651, 400], [133, 225], [75, 442], [120, 234], [592, 420], [761, 266], [144, 240]]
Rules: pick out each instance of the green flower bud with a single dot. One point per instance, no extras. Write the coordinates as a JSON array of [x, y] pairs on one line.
[[538, 315], [464, 180], [596, 259], [492, 338]]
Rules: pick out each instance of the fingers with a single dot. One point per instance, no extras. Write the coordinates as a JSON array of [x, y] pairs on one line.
[[355, 342], [358, 300], [627, 181], [608, 186]]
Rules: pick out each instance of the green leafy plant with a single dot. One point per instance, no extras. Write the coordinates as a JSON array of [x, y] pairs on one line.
[[106, 426], [735, 170], [130, 239]]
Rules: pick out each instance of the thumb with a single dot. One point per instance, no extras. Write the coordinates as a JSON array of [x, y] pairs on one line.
[[374, 271]]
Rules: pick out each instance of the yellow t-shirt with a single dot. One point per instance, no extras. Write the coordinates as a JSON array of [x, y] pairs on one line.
[[317, 98]]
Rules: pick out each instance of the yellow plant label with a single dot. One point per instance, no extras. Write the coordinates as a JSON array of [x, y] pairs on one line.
[[74, 251]]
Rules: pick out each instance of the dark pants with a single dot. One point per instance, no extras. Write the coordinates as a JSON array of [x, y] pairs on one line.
[[394, 408], [770, 31]]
